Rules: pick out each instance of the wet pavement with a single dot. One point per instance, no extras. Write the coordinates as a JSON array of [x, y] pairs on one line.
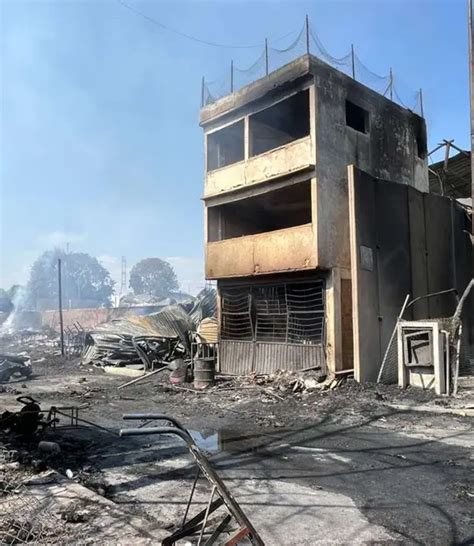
[[362, 482]]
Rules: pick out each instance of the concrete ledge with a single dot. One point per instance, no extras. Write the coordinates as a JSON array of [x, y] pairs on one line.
[[290, 249], [295, 157]]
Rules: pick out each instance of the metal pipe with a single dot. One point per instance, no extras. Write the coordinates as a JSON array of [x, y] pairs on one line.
[[266, 56], [153, 417], [307, 33], [206, 515], [446, 335], [353, 62], [442, 292]]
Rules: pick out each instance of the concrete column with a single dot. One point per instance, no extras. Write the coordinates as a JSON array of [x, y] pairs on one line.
[[333, 322]]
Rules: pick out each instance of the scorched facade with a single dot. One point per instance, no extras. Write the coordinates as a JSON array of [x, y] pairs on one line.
[[277, 213]]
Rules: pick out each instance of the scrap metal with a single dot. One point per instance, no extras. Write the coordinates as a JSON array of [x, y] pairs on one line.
[[149, 340], [199, 522]]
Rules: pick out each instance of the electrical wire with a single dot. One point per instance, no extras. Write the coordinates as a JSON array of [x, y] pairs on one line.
[[183, 34]]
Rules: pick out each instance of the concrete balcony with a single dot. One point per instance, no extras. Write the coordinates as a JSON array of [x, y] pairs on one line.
[[289, 249], [295, 157]]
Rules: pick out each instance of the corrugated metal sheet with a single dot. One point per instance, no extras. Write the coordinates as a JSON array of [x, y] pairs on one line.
[[236, 357], [306, 356], [456, 179], [270, 357]]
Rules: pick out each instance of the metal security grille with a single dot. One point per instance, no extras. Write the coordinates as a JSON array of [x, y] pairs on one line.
[[281, 325], [236, 314]]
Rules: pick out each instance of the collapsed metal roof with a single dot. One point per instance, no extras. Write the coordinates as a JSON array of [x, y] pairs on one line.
[[452, 176]]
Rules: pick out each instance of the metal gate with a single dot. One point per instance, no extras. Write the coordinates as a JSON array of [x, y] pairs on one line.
[[267, 327]]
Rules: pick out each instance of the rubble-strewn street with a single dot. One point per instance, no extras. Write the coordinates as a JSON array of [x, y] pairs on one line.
[[300, 457]]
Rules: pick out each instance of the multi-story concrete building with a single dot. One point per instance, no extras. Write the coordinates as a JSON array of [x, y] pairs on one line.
[[277, 222]]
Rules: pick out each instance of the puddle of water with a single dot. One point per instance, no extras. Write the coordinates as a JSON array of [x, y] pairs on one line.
[[228, 440], [236, 442]]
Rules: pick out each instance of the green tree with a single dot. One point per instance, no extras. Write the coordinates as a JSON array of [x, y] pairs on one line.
[[83, 278], [14, 290], [6, 304], [153, 276]]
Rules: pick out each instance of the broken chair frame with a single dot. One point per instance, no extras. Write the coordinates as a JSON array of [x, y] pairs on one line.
[[199, 522]]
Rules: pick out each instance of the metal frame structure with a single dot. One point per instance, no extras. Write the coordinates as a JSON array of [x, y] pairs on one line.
[[199, 522], [438, 345]]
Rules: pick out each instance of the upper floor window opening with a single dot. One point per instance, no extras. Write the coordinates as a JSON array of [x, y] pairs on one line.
[[280, 124], [226, 146], [357, 117]]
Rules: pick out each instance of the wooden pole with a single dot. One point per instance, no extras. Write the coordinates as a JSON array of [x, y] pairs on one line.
[[232, 76], [307, 34], [353, 62], [266, 56], [60, 305]]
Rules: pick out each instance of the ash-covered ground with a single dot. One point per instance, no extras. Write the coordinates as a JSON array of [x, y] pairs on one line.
[[308, 464]]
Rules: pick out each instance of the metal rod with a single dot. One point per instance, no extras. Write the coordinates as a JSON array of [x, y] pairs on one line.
[[205, 466], [193, 525], [391, 84], [421, 103], [437, 148], [441, 293], [206, 515], [232, 76], [220, 529], [448, 363], [353, 62], [446, 155], [465, 294], [144, 376], [400, 316], [60, 305], [153, 417], [196, 478], [307, 33], [460, 150], [266, 56], [456, 362]]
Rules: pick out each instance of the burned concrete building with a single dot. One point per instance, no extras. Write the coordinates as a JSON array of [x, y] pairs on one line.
[[285, 157]]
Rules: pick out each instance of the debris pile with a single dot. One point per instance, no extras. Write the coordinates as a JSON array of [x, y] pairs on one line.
[[149, 340], [45, 338], [24, 518], [14, 366], [285, 381]]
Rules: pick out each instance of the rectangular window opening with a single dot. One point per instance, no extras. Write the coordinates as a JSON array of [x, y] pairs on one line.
[[280, 124], [226, 146], [357, 117], [278, 209]]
